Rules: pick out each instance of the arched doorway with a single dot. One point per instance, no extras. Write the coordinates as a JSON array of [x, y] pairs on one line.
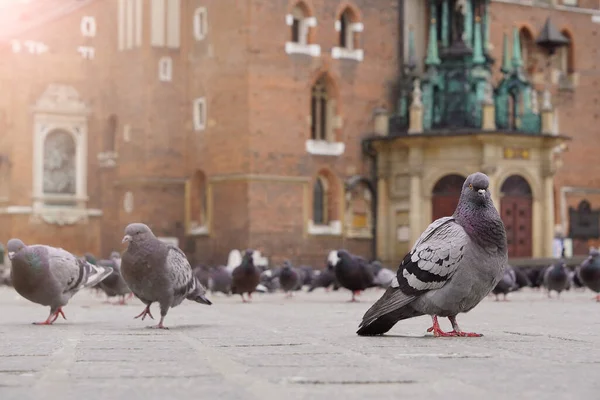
[[516, 208], [446, 193]]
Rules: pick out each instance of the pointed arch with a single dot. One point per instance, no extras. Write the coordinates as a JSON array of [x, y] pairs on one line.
[[300, 19], [348, 25], [325, 198], [528, 48], [568, 53], [323, 108], [197, 200]]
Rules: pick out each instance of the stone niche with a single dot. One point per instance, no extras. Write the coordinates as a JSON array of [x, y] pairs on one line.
[[60, 148]]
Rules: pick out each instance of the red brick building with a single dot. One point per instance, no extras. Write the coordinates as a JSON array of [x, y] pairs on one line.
[[227, 123]]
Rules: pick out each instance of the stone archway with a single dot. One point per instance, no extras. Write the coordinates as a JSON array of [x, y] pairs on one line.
[[445, 195], [516, 210]]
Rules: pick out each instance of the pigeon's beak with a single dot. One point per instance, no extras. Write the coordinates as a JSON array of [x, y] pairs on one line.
[[481, 192], [11, 254], [126, 238]]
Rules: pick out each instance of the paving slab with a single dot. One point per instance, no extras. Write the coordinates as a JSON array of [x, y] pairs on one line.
[[303, 347]]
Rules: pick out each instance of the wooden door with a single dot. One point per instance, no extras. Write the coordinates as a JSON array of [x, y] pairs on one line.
[[516, 213], [443, 205]]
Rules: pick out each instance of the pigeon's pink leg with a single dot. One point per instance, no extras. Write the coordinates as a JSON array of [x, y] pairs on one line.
[[52, 317], [160, 324], [249, 296], [144, 313], [598, 297], [353, 299], [458, 332], [437, 331], [243, 299]]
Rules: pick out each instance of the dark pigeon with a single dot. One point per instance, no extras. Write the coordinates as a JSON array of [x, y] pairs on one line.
[[589, 272], [114, 284], [290, 278], [556, 278], [158, 272], [308, 275], [353, 273], [220, 280], [324, 279], [245, 277], [50, 276], [507, 284], [522, 278], [202, 272], [455, 263]]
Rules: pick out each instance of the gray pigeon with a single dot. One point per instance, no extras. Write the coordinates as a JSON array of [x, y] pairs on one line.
[[50, 276], [507, 284], [455, 263], [589, 272], [382, 276], [290, 278], [556, 277], [114, 284], [219, 280], [156, 271]]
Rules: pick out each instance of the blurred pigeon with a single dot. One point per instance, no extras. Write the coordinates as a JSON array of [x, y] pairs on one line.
[[522, 278], [308, 275], [158, 272], [383, 276], [589, 272], [50, 276], [202, 273], [556, 277], [245, 277], [290, 278], [507, 284], [114, 284], [455, 263], [353, 273], [220, 280], [323, 279]]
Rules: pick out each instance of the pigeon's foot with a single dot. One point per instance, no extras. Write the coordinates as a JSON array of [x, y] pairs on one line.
[[160, 324], [437, 331], [353, 299], [598, 297], [144, 313], [458, 332], [52, 317]]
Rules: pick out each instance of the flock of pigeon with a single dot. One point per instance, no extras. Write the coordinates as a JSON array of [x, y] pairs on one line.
[[455, 263]]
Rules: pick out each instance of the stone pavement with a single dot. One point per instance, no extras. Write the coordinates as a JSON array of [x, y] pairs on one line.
[[299, 348]]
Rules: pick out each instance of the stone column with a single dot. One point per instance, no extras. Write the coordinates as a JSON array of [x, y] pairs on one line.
[[415, 118], [382, 218], [416, 210]]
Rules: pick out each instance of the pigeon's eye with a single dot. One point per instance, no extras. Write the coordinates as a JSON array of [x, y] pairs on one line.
[[470, 186]]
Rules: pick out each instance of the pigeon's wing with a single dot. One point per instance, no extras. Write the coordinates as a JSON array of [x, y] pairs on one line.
[[429, 265], [434, 258], [72, 273], [180, 273]]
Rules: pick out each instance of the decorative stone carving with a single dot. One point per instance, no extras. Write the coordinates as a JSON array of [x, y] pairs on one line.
[[535, 108], [107, 159], [417, 94], [61, 99], [547, 100], [59, 163]]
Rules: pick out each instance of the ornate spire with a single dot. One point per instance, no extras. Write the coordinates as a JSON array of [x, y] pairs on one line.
[[478, 58], [506, 67], [433, 57], [517, 61]]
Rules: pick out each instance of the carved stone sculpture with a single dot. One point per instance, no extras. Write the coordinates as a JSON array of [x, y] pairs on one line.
[[59, 163]]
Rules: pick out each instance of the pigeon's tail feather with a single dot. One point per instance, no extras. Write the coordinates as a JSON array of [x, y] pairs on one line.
[[392, 307], [96, 273], [198, 294]]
